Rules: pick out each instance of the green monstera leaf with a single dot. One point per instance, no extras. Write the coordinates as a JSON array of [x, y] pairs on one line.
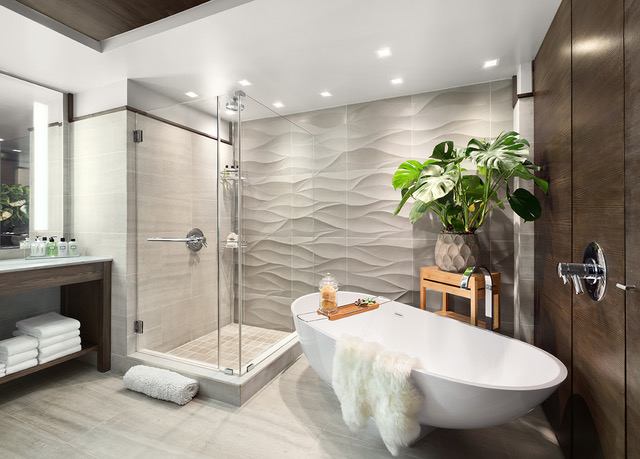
[[525, 204], [504, 154], [434, 183]]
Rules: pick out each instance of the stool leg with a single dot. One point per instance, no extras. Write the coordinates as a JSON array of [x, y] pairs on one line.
[[423, 297], [474, 307], [496, 311], [445, 302]]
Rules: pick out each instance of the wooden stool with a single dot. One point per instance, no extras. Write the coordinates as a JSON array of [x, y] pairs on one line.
[[433, 278]]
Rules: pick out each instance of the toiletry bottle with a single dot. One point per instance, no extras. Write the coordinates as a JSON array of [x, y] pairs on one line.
[[42, 248], [74, 250], [34, 247], [25, 246], [63, 248], [52, 248]]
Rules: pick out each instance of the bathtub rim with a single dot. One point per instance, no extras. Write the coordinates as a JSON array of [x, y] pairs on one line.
[[563, 372]]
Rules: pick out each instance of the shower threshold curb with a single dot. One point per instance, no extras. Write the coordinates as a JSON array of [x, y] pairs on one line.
[[214, 384]]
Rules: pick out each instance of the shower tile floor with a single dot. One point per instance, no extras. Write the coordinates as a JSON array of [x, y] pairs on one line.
[[255, 340]]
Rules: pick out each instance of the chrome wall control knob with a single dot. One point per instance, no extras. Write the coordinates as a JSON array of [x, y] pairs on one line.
[[590, 275], [625, 287]]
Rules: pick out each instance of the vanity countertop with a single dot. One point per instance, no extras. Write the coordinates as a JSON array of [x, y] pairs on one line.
[[20, 264]]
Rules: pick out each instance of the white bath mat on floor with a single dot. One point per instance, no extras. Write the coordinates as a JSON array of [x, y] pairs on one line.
[[161, 384]]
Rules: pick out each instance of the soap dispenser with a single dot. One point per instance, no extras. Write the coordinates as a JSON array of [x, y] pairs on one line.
[[63, 248], [52, 248], [34, 247], [74, 249]]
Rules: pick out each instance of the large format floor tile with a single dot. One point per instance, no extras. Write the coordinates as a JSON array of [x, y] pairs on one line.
[[73, 411]]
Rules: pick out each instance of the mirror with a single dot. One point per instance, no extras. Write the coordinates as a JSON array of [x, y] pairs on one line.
[[31, 161]]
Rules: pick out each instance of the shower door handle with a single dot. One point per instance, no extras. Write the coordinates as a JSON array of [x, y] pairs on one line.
[[172, 239], [195, 239]]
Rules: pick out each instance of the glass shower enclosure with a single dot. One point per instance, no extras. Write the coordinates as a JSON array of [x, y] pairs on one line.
[[214, 188]]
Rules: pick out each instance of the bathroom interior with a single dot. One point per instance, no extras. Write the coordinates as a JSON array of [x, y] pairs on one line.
[[338, 229]]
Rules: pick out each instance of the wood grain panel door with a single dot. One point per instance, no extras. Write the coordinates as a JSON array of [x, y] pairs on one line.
[[598, 401], [552, 86], [632, 221]]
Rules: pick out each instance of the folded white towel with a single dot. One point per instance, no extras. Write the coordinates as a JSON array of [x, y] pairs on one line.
[[44, 352], [67, 351], [22, 366], [19, 358], [2, 366], [48, 325], [53, 340], [161, 384], [17, 345]]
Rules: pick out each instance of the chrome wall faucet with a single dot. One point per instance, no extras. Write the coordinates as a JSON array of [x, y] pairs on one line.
[[591, 274]]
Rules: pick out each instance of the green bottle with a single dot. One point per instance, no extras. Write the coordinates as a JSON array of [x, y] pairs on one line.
[[52, 248]]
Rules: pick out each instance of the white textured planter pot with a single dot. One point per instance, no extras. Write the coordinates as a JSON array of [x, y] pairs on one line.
[[455, 252]]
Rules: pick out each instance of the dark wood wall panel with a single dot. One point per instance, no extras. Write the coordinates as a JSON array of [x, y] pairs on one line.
[[598, 402], [101, 19], [632, 220], [552, 105]]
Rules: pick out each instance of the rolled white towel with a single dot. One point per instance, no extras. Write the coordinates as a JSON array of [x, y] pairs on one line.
[[53, 340], [47, 325], [161, 384], [22, 366], [44, 352], [15, 359], [17, 345], [67, 351]]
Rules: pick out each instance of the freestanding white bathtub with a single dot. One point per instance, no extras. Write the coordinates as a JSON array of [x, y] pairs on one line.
[[470, 377]]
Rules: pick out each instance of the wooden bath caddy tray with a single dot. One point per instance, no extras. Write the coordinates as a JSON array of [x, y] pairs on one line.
[[347, 310]]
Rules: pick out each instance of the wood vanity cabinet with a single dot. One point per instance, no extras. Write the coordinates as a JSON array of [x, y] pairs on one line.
[[85, 289]]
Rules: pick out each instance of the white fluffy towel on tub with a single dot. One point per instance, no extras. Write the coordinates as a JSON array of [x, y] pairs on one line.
[[161, 384], [373, 383]]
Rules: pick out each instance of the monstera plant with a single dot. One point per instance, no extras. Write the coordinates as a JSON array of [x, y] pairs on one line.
[[14, 213], [462, 199]]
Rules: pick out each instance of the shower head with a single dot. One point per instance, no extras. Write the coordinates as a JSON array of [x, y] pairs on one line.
[[234, 104]]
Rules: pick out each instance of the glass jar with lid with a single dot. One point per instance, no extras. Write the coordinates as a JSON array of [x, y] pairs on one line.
[[328, 294]]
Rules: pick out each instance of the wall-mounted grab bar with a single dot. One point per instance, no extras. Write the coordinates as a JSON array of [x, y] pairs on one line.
[[194, 241]]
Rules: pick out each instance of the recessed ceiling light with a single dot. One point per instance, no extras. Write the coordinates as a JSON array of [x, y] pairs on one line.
[[1, 140], [326, 94], [17, 151], [278, 104], [190, 94], [490, 63], [384, 52], [397, 81], [244, 83]]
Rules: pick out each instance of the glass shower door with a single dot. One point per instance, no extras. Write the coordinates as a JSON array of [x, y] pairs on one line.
[[175, 193], [230, 233], [274, 160]]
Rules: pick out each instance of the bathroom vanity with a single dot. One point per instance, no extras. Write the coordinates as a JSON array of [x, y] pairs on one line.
[[85, 289]]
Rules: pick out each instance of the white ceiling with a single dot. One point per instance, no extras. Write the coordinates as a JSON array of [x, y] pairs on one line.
[[291, 50]]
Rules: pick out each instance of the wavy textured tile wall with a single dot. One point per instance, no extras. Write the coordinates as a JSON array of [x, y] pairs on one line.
[[319, 199]]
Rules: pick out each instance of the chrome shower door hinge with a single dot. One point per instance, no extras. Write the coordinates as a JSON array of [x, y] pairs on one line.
[[138, 327], [137, 136]]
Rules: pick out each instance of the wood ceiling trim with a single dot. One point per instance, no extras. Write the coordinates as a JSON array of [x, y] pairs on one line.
[[100, 20]]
